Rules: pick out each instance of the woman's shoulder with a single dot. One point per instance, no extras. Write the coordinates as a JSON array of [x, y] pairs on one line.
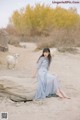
[[42, 58]]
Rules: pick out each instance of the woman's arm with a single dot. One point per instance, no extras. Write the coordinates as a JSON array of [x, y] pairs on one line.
[[35, 73], [38, 66]]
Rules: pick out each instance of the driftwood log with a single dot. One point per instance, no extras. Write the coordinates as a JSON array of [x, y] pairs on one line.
[[18, 89]]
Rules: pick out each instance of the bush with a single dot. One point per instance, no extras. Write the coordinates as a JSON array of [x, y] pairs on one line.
[[36, 20]]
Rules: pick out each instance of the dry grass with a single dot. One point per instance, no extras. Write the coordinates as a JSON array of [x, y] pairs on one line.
[[72, 50], [14, 40], [64, 39]]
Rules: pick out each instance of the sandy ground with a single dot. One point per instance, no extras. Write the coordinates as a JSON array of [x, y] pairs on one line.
[[66, 66]]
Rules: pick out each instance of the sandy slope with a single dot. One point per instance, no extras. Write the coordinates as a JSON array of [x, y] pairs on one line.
[[67, 67]]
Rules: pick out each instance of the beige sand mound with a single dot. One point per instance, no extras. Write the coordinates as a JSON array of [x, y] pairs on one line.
[[19, 81], [18, 89]]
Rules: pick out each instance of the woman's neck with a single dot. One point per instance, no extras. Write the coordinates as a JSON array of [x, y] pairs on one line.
[[45, 56]]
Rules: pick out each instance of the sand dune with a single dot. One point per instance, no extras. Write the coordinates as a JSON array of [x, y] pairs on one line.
[[66, 66]]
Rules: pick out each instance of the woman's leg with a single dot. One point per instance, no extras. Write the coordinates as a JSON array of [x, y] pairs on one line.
[[59, 94], [64, 95]]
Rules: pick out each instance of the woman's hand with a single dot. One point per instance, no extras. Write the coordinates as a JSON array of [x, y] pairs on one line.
[[34, 76], [35, 73]]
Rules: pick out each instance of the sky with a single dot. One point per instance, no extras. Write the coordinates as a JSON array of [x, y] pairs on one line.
[[7, 7]]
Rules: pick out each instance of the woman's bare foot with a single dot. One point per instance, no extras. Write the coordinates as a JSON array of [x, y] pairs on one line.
[[59, 95], [64, 95], [67, 97]]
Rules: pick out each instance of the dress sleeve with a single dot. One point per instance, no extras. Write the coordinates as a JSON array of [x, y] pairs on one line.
[[39, 62]]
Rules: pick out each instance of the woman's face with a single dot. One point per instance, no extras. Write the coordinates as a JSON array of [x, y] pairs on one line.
[[46, 54]]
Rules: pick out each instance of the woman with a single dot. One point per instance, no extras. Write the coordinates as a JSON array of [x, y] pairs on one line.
[[47, 84]]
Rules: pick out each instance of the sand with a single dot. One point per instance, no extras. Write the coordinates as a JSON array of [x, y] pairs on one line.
[[66, 66]]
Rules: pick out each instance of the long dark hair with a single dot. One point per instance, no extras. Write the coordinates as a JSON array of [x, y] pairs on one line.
[[49, 56]]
